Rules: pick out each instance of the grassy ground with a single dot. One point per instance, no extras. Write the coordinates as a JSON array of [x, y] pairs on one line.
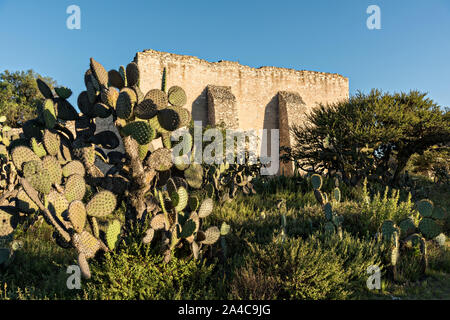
[[258, 264]]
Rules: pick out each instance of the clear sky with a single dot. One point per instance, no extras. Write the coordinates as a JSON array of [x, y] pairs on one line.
[[411, 51]]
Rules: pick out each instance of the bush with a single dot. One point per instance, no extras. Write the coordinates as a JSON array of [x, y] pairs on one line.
[[320, 267], [369, 135], [137, 274], [366, 216], [38, 270], [294, 270]]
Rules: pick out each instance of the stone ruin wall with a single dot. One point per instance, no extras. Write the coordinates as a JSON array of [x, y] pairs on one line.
[[241, 96]]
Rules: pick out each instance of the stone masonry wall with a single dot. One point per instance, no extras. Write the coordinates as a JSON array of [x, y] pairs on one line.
[[255, 90]]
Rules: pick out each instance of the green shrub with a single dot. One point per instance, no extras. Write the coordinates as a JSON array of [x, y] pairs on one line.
[[438, 257], [367, 215], [38, 270], [409, 267], [137, 274], [356, 255], [294, 269]]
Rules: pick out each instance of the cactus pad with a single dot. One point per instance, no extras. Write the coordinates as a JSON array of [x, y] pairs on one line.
[[101, 110], [328, 211], [113, 234], [84, 104], [52, 142], [49, 113], [115, 79], [158, 98], [407, 227], [51, 164], [388, 229], [337, 194], [44, 89], [429, 228], [188, 229], [141, 131], [132, 74], [438, 213], [425, 208], [77, 215], [158, 222], [6, 224], [40, 180], [125, 103], [63, 92], [316, 181], [205, 208], [212, 234], [225, 229], [64, 110], [102, 204], [22, 154], [109, 97], [160, 160], [149, 234], [177, 96], [194, 175], [24, 202], [38, 148], [145, 109], [73, 167], [182, 199], [75, 188], [169, 119], [86, 243], [95, 227], [57, 204], [99, 72]]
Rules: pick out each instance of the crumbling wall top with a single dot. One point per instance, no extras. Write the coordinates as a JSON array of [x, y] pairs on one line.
[[268, 70]]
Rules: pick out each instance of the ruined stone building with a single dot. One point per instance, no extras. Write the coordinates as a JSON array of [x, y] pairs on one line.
[[241, 96]]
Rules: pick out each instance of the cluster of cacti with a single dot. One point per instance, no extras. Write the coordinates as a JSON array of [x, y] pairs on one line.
[[431, 219], [56, 161], [402, 237], [334, 221], [407, 234], [8, 224], [52, 181], [224, 181], [176, 224], [8, 174], [9, 215], [56, 187]]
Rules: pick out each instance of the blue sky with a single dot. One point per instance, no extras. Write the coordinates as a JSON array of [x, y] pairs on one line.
[[411, 51]]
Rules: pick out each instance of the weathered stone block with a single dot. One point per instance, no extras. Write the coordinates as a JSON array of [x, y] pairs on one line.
[[222, 106]]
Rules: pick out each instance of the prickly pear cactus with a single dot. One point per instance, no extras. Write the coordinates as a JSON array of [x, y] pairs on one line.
[[177, 225], [52, 170], [432, 218]]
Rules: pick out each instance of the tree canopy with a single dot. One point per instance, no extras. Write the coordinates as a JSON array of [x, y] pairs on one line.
[[20, 96], [370, 135]]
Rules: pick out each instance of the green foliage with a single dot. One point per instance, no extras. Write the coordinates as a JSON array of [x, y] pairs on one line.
[[136, 274], [318, 268], [367, 216], [20, 98], [371, 135]]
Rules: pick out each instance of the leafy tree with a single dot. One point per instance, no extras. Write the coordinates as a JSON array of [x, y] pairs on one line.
[[370, 135], [20, 96]]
